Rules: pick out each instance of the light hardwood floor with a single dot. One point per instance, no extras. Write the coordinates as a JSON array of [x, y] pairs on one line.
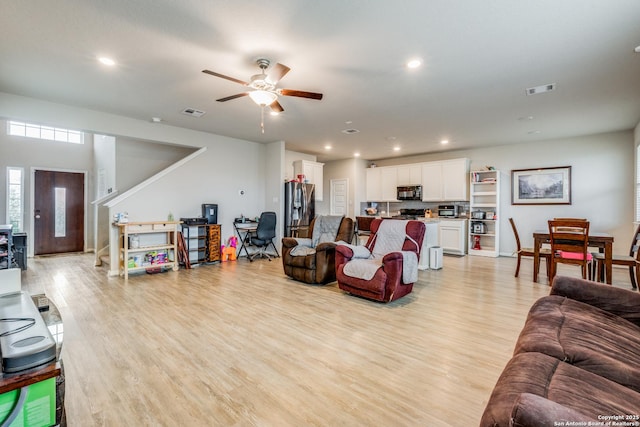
[[240, 344]]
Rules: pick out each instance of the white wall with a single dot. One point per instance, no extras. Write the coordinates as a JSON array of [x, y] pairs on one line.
[[274, 191], [130, 170], [602, 182]]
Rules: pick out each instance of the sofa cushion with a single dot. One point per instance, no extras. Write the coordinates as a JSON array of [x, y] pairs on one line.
[[585, 336], [583, 393]]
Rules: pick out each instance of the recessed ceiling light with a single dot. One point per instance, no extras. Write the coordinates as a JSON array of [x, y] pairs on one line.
[[107, 61], [327, 147], [156, 119], [414, 63], [637, 49], [444, 141], [396, 148], [356, 154]]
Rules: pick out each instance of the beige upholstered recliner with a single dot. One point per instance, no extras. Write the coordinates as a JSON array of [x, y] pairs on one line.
[[312, 260]]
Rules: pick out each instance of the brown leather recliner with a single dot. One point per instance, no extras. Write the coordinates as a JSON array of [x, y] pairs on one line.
[[318, 267]]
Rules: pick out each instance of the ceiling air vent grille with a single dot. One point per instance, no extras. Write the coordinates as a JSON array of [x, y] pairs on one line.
[[350, 131], [541, 89], [193, 112]]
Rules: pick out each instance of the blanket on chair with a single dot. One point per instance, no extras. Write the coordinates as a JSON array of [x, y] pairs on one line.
[[389, 238], [325, 229]]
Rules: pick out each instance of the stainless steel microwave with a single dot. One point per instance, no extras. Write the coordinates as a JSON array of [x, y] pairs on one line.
[[448, 211], [410, 192]]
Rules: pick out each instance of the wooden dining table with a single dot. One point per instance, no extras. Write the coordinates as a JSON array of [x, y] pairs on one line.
[[602, 241]]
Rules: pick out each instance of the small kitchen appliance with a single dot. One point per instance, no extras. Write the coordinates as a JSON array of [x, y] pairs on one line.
[[448, 211], [409, 192]]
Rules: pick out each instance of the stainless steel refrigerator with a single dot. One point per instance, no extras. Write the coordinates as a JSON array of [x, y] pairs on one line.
[[299, 207]]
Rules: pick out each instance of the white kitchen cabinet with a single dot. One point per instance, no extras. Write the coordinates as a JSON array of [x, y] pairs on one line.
[[455, 179], [410, 174], [382, 184], [432, 182], [373, 187], [453, 236], [389, 184], [313, 172], [445, 180]]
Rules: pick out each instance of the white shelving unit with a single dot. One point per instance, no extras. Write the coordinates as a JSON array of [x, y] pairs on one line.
[[484, 205]]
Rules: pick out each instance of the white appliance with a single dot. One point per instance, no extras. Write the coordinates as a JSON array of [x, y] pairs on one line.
[[430, 240], [435, 257]]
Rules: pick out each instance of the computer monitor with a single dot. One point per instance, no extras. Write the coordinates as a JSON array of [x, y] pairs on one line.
[[210, 212]]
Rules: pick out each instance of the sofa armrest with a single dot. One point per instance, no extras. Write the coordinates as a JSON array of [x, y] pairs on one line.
[[618, 301], [325, 246], [392, 256], [345, 251], [289, 242], [531, 410]]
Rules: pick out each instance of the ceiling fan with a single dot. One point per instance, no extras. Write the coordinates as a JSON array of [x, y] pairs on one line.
[[262, 87]]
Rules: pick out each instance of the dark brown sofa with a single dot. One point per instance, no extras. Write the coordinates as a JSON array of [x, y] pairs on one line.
[[318, 267], [577, 360]]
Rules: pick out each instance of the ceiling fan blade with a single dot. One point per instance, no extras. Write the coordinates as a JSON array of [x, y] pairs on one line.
[[277, 72], [229, 98], [300, 93], [213, 73], [276, 107]]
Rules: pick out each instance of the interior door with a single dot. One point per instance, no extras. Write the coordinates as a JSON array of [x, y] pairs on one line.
[[58, 217], [339, 197]]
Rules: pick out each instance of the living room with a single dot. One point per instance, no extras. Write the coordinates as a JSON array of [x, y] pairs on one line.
[[239, 343]]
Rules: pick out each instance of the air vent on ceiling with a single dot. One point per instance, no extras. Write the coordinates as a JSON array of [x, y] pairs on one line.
[[193, 112], [541, 89], [350, 131]]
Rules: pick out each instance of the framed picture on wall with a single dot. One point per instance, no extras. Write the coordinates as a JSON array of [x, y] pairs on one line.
[[542, 186]]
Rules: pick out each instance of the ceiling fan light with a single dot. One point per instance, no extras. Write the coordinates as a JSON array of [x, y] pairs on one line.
[[262, 97]]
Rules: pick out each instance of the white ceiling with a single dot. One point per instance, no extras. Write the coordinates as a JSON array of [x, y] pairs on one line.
[[479, 57]]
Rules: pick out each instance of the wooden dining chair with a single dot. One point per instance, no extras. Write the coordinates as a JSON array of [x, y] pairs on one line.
[[528, 252], [569, 245], [632, 261]]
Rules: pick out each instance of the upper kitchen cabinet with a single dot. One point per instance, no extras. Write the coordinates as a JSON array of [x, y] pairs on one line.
[[410, 174], [382, 184], [432, 190], [446, 180], [313, 173]]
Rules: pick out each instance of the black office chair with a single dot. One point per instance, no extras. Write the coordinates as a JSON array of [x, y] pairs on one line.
[[264, 235]]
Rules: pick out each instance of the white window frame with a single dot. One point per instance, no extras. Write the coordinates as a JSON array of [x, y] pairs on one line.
[[49, 133], [8, 201]]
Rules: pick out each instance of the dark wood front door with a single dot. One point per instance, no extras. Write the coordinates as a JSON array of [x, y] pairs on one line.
[[58, 215]]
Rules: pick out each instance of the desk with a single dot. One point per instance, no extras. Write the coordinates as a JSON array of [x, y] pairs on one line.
[[244, 230], [603, 241]]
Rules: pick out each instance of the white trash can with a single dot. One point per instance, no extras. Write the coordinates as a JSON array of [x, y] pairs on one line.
[[435, 258]]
